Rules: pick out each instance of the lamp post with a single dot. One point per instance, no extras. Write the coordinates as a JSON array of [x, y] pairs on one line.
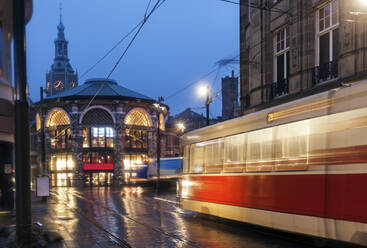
[[21, 134], [159, 110]]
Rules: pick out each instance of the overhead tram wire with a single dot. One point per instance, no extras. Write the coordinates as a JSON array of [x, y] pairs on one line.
[[142, 23], [254, 6], [113, 48], [120, 41], [216, 68]]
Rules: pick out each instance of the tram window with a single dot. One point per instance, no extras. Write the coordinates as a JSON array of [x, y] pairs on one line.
[[186, 161], [234, 153], [213, 155], [196, 158], [292, 146], [260, 150]]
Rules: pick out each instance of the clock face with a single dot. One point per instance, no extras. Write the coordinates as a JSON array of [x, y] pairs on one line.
[[59, 85]]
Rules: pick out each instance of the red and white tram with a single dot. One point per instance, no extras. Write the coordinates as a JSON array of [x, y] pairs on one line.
[[299, 167]]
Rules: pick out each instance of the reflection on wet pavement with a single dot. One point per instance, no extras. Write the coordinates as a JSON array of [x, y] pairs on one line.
[[107, 217]]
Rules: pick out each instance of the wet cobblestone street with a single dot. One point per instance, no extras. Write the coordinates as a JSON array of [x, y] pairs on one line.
[[136, 217]]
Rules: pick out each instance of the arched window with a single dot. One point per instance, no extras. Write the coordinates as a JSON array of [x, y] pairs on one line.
[[98, 128], [138, 117], [38, 122], [97, 116], [56, 118], [161, 122]]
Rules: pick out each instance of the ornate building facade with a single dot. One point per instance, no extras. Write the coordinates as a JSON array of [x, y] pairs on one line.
[[62, 76], [99, 142]]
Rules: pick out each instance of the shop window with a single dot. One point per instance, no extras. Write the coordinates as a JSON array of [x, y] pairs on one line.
[[60, 138], [98, 158], [62, 162], [98, 137], [135, 160], [136, 139]]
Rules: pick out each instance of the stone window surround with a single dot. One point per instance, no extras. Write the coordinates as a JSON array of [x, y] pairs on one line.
[[329, 29]]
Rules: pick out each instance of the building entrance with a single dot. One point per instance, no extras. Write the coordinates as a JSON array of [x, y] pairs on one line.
[[96, 179]]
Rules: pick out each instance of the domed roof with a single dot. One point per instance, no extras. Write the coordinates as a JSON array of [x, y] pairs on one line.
[[106, 89]]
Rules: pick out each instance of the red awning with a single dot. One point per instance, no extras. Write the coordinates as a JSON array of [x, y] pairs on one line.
[[98, 167]]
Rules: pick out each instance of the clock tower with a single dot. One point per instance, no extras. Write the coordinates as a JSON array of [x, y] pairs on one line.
[[61, 76]]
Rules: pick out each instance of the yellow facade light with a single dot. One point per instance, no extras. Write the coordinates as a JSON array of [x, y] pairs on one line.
[[299, 110]]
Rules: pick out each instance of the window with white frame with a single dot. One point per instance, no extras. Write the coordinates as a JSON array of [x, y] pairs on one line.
[[327, 40], [281, 60]]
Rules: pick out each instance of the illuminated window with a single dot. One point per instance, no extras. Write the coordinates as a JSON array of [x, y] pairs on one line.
[[57, 118], [60, 138], [38, 122], [98, 137], [134, 160], [138, 117], [62, 162], [137, 139], [98, 158], [161, 122]]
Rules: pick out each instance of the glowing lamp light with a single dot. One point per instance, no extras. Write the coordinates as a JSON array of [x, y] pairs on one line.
[[203, 90], [180, 126]]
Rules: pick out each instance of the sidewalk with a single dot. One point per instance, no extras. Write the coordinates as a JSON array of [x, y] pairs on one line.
[[57, 219]]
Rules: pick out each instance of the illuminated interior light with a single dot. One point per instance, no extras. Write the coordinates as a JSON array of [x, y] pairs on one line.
[[187, 183]]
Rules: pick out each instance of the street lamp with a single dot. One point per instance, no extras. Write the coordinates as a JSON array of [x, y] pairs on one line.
[[181, 127], [204, 90]]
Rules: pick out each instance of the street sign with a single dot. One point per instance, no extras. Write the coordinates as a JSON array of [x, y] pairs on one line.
[[42, 186]]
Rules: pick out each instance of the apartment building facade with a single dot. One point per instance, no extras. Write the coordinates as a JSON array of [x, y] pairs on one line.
[[293, 48]]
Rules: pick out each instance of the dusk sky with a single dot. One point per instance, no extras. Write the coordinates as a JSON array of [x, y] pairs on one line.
[[181, 42]]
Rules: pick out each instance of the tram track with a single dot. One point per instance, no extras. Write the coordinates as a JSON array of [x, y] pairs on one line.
[[294, 238], [114, 237], [256, 229]]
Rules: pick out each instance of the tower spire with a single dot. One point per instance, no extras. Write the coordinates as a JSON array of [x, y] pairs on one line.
[[60, 10]]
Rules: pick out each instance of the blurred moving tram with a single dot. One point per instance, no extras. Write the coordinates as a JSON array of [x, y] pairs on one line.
[[299, 167], [170, 169]]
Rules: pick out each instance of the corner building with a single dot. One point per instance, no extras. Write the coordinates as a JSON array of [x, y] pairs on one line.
[[99, 143], [290, 49]]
